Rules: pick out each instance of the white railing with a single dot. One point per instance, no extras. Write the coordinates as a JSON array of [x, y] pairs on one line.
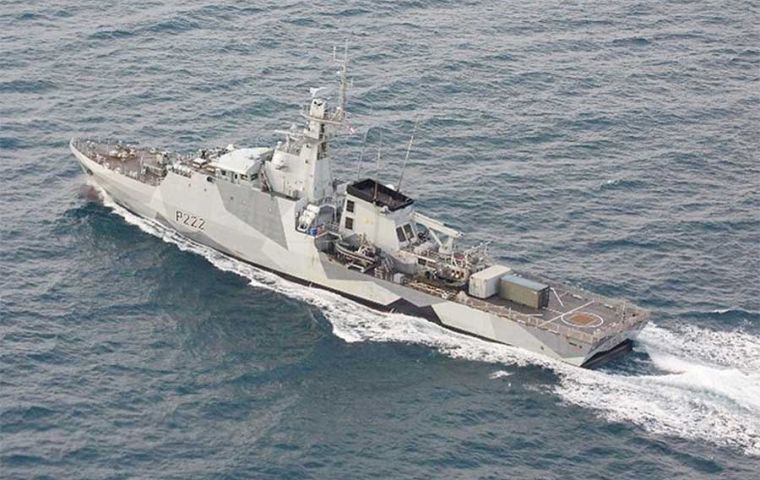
[[624, 320]]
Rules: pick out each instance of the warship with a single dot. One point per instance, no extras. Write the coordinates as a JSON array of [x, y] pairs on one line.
[[280, 209]]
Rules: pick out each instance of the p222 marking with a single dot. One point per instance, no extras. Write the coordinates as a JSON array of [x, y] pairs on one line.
[[192, 221]]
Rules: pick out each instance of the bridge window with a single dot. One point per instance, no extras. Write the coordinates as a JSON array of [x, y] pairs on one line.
[[400, 234], [408, 231], [349, 223], [350, 206]]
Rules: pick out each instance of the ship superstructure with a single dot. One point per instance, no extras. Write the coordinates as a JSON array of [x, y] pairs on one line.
[[280, 208]]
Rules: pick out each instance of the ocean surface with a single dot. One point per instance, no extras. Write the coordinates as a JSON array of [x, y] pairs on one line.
[[613, 145]]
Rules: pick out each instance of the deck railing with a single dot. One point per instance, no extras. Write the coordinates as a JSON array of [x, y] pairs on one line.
[[626, 317]]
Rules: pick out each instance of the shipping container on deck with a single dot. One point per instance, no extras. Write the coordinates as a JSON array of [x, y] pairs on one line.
[[524, 291], [485, 283]]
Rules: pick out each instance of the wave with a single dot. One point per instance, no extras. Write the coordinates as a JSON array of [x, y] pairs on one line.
[[707, 385], [620, 183], [733, 312], [709, 388], [729, 349], [499, 374]]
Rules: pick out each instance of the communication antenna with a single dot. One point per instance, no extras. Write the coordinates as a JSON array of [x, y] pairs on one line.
[[361, 154], [379, 146], [406, 158]]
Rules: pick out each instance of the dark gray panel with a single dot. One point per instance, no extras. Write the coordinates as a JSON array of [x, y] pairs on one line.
[[257, 209]]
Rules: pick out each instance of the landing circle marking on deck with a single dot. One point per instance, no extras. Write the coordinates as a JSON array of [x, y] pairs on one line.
[[583, 320]]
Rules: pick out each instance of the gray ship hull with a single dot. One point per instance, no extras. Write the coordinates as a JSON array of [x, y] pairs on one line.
[[259, 228]]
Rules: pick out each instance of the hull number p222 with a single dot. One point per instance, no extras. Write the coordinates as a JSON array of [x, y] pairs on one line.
[[191, 221]]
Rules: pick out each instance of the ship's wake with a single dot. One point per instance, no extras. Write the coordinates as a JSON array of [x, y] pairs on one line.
[[706, 387], [699, 384]]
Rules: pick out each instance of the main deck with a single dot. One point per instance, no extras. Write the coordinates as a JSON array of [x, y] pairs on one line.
[[572, 312], [142, 164]]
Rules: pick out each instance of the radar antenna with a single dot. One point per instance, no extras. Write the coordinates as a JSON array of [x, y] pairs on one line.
[[315, 92]]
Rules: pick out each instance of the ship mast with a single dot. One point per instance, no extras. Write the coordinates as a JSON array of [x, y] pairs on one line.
[[321, 126], [340, 111], [301, 168]]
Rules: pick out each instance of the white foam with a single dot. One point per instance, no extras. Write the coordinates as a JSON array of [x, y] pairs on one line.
[[736, 348], [710, 390], [695, 399], [722, 310], [499, 374]]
